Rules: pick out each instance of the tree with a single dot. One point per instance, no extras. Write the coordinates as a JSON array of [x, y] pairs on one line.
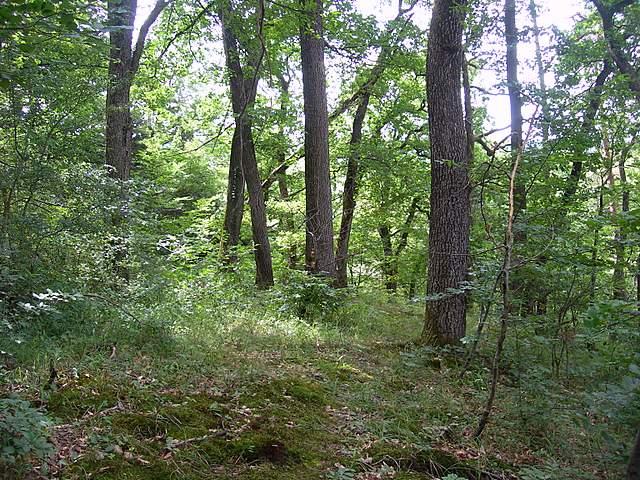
[[353, 165], [615, 42], [449, 222], [124, 61], [243, 94], [319, 254]]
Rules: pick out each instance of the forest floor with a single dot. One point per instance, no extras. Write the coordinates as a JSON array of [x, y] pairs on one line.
[[232, 399]]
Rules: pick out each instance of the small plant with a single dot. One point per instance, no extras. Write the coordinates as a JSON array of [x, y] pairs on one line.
[[311, 298], [23, 435]]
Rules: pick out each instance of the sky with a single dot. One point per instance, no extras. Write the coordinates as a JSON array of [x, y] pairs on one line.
[[558, 13]]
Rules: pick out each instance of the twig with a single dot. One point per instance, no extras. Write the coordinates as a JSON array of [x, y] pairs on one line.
[[506, 293]]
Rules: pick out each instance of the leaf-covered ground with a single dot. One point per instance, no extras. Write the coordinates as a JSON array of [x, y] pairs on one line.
[[250, 398]]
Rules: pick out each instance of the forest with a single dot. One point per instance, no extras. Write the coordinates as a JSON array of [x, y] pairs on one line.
[[320, 239]]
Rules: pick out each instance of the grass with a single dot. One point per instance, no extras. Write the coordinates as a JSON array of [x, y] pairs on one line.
[[228, 387]]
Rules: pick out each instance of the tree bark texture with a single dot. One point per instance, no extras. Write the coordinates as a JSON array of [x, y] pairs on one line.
[[319, 253], [243, 95], [119, 133], [445, 313], [124, 61]]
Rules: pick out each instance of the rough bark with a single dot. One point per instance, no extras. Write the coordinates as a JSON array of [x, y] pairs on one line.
[[350, 191], [124, 61], [319, 253], [243, 93], [119, 132], [389, 264], [287, 221], [235, 200], [445, 313]]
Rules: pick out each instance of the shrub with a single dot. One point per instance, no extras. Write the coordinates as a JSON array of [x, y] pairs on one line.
[[24, 434], [311, 298]]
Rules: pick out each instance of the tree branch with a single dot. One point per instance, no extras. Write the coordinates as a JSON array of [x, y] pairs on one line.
[[144, 31]]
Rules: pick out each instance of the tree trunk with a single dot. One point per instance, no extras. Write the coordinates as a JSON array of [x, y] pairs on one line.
[[123, 65], [596, 240], [350, 191], [119, 134], [319, 253], [235, 200], [595, 102], [542, 84], [286, 219], [445, 313], [515, 101], [243, 94], [389, 262]]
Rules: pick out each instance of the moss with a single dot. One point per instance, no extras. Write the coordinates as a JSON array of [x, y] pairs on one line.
[[344, 372], [299, 389], [423, 461], [259, 446], [74, 401], [193, 416], [141, 425], [119, 469]]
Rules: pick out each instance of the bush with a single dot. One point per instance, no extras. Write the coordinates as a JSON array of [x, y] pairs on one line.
[[311, 298], [24, 432]]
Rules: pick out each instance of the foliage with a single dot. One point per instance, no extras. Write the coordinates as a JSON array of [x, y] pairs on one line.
[[24, 434]]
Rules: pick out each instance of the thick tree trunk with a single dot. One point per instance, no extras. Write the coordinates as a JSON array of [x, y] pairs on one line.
[[243, 94], [445, 313], [124, 60], [319, 253], [286, 219], [350, 191], [119, 134]]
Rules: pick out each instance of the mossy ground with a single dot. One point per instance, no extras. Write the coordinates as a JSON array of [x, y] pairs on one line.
[[249, 400]]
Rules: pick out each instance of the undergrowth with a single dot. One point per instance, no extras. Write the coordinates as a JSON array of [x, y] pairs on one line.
[[214, 381]]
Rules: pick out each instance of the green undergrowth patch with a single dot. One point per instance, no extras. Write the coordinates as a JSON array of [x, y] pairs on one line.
[[241, 391]]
